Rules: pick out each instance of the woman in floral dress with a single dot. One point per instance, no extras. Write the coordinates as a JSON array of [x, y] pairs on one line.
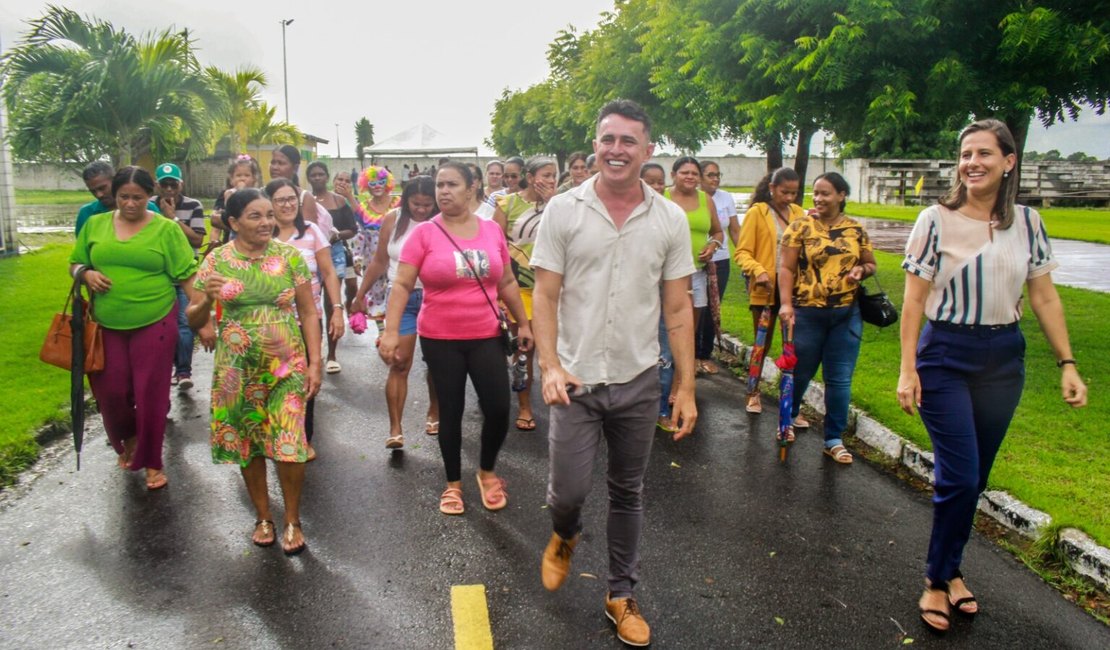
[[263, 376]]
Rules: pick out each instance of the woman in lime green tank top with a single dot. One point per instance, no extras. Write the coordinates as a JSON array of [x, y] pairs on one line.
[[706, 236]]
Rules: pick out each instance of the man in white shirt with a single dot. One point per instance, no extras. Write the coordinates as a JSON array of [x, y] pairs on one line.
[[602, 251]]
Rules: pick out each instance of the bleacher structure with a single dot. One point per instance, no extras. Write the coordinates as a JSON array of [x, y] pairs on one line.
[[1044, 183]]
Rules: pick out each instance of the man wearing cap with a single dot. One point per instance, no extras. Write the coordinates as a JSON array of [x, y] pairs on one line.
[[189, 214], [98, 179]]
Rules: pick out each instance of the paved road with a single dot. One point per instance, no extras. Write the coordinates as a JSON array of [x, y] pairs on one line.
[[734, 540]]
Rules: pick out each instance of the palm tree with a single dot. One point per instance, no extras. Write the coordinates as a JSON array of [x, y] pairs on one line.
[[262, 129], [242, 93], [85, 79], [364, 136]]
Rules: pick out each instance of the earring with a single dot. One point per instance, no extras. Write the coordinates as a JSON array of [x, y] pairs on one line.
[[1005, 174]]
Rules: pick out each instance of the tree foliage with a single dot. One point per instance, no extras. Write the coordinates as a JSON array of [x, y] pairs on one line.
[[364, 137], [888, 78], [78, 88], [241, 92]]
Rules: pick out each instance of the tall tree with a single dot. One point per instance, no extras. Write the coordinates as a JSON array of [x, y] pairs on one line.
[[136, 95], [263, 128], [241, 90], [364, 137]]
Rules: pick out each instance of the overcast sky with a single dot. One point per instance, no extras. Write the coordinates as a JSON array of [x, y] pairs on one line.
[[399, 63]]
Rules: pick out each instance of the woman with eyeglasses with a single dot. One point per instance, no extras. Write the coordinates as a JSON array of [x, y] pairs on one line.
[[519, 217], [310, 240], [726, 214]]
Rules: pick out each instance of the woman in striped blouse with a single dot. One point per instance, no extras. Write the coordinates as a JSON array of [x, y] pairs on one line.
[[966, 262]]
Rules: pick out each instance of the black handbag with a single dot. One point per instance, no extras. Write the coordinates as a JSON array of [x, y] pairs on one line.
[[508, 341], [876, 308]]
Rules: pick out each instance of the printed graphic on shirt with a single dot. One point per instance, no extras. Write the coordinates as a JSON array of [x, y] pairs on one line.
[[479, 259]]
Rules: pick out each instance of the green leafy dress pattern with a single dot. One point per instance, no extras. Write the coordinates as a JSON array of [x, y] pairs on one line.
[[258, 386]]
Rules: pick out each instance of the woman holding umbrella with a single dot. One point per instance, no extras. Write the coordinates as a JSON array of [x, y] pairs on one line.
[[825, 255], [757, 254], [131, 259], [966, 263]]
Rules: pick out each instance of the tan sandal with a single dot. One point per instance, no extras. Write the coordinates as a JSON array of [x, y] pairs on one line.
[[755, 404], [395, 442], [494, 496], [431, 427], [288, 536], [451, 502], [840, 454], [265, 528], [156, 481]]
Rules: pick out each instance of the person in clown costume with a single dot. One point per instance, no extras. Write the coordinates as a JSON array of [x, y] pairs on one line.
[[377, 184]]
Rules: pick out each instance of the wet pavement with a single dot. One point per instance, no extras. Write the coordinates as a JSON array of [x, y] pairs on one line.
[[738, 550], [1082, 264]]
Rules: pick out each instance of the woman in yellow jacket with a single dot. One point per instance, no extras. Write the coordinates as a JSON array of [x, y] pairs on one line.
[[757, 253]]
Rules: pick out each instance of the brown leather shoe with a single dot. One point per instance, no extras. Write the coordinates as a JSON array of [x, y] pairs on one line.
[[556, 561], [631, 626]]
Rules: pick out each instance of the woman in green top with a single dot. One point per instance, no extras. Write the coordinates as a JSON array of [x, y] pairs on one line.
[[706, 236], [519, 216], [131, 259]]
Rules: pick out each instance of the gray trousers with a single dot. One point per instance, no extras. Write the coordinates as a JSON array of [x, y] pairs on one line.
[[624, 414]]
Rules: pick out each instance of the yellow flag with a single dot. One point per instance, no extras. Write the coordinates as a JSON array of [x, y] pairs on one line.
[[920, 184]]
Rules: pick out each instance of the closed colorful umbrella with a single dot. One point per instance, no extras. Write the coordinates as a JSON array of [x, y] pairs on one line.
[[786, 364], [759, 349]]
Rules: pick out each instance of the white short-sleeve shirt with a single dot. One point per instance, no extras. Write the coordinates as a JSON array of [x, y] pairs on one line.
[[609, 306]]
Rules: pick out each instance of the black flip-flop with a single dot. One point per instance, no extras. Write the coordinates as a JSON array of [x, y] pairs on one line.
[[530, 424]]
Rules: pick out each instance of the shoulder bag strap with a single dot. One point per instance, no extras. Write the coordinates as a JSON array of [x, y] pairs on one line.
[[473, 271]]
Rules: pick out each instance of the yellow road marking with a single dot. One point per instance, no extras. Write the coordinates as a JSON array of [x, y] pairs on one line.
[[471, 618]]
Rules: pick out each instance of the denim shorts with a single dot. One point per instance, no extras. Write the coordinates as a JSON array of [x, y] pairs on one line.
[[339, 259], [412, 310]]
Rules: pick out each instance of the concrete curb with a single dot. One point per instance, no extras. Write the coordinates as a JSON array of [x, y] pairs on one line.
[[1080, 551]]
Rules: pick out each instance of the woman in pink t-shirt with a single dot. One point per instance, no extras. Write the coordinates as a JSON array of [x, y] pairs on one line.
[[463, 263], [307, 237]]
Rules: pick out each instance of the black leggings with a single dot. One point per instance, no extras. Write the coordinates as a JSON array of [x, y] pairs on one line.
[[449, 363]]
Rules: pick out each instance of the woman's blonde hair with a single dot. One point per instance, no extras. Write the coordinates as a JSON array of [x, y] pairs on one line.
[[1007, 192]]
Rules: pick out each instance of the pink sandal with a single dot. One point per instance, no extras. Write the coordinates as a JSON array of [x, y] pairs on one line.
[[451, 502], [494, 496]]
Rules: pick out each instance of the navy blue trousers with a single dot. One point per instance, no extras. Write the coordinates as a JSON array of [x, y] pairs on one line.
[[971, 383]]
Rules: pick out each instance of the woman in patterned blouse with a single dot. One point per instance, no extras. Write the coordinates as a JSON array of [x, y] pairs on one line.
[[825, 255]]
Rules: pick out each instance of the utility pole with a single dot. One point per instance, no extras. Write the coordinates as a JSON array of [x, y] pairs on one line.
[[338, 151], [285, 64]]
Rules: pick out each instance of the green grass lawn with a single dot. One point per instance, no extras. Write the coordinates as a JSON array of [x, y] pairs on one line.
[[1084, 224], [77, 198], [32, 289], [1054, 457]]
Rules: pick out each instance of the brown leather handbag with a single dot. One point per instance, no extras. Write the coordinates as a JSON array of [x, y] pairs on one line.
[[58, 348]]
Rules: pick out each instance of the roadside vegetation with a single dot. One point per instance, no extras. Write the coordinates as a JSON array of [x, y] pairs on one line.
[[33, 287]]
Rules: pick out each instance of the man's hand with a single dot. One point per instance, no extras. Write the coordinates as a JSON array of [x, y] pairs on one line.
[[685, 412], [555, 383]]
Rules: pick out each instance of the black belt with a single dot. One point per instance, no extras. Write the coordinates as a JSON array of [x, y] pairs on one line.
[[972, 329]]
